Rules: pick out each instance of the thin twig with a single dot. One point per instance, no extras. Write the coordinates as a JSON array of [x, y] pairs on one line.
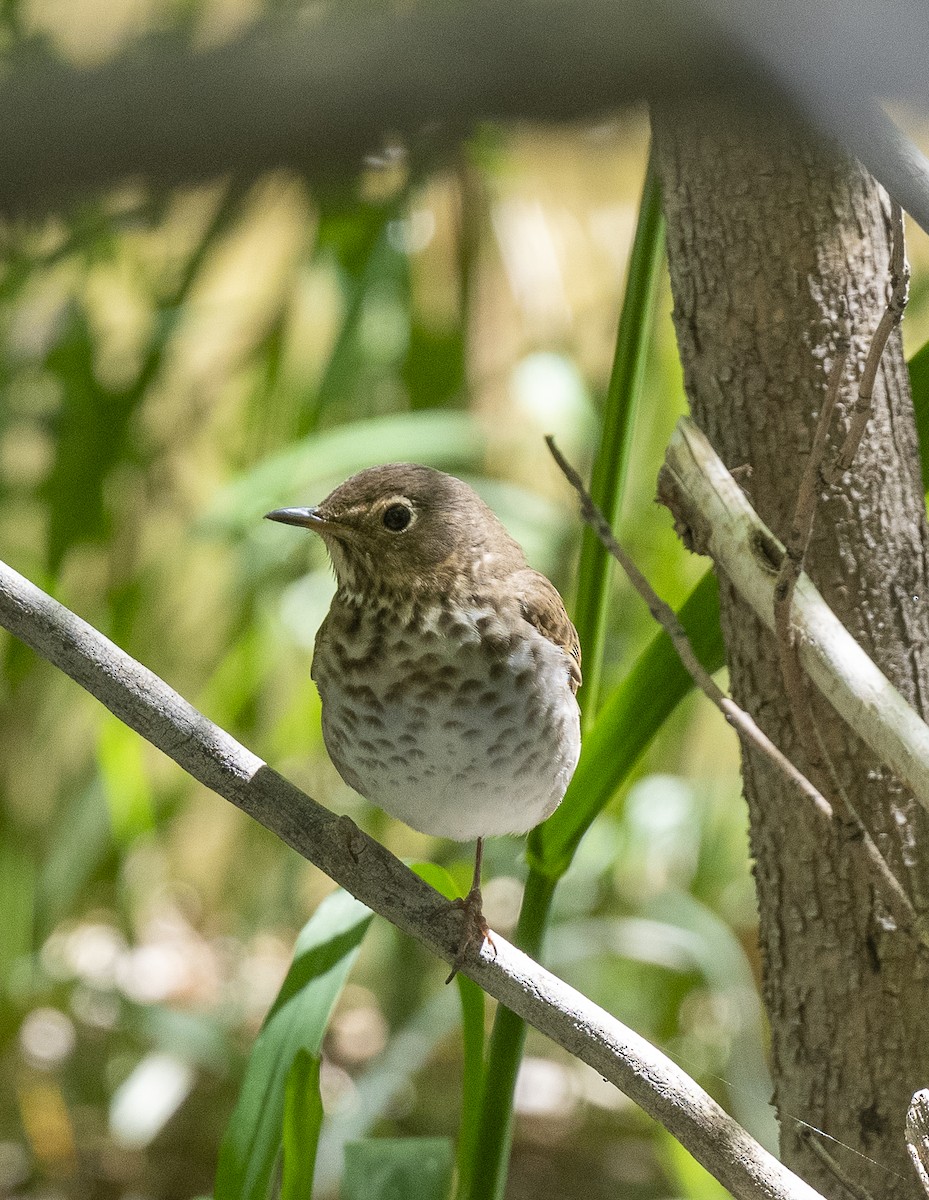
[[892, 316], [896, 893], [851, 1186], [798, 540], [371, 873], [797, 544], [707, 502], [741, 721]]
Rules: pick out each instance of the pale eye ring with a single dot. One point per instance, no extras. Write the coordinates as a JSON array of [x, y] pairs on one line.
[[397, 517]]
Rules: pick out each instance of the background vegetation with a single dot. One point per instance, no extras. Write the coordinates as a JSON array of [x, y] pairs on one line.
[[171, 367]]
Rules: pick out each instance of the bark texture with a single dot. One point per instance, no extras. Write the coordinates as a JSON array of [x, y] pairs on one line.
[[775, 241]]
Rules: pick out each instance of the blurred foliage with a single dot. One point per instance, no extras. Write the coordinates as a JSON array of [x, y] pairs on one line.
[[172, 366]]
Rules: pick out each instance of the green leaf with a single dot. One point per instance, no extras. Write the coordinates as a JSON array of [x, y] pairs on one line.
[[633, 713], [688, 1177], [323, 956], [398, 1169], [434, 367], [78, 842], [918, 367], [472, 1032], [125, 782], [91, 438], [352, 234], [303, 1119], [17, 896], [608, 477]]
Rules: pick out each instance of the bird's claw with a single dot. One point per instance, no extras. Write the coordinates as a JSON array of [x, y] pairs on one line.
[[474, 929]]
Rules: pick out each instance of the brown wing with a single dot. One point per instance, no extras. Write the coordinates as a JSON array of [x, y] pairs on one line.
[[542, 607]]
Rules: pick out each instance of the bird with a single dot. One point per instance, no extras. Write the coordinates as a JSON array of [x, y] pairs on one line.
[[447, 668]]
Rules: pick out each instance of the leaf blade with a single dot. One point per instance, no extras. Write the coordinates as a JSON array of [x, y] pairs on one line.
[[324, 954]]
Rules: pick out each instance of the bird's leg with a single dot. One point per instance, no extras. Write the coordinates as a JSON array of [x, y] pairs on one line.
[[474, 928]]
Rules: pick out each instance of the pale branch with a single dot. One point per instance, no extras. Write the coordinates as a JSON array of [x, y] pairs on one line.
[[917, 1136], [837, 63], [318, 93], [743, 723], [816, 474], [715, 518], [371, 873]]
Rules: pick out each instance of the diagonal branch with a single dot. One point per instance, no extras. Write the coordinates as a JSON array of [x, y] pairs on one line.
[[370, 872], [744, 724], [714, 515]]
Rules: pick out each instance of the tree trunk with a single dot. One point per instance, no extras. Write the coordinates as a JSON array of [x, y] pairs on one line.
[[774, 240]]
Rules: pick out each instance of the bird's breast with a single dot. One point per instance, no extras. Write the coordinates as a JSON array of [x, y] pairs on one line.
[[459, 720]]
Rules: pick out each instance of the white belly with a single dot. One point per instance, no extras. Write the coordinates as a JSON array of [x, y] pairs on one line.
[[453, 742]]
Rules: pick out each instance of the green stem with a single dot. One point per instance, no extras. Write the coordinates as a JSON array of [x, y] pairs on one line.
[[495, 1131], [492, 1147], [608, 477]]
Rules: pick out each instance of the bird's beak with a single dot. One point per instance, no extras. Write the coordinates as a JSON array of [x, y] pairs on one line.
[[307, 518]]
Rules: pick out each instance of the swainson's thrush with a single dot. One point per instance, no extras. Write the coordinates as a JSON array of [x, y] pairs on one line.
[[446, 666]]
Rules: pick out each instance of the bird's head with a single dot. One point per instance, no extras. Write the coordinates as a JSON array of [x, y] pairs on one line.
[[406, 529]]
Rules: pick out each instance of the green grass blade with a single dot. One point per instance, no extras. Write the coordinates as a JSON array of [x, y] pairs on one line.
[[630, 718], [918, 367], [126, 785], [323, 956], [472, 1029], [395, 1168], [507, 1039], [610, 465], [18, 887], [78, 842], [492, 1147], [303, 1119], [355, 236]]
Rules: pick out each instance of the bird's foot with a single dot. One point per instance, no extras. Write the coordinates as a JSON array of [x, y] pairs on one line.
[[474, 928]]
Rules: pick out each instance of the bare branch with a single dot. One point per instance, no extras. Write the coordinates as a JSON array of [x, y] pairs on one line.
[[713, 514], [896, 894], [740, 720], [743, 723], [798, 541], [318, 94], [376, 877]]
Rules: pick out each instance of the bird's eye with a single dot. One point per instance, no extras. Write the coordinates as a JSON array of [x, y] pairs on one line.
[[397, 517]]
